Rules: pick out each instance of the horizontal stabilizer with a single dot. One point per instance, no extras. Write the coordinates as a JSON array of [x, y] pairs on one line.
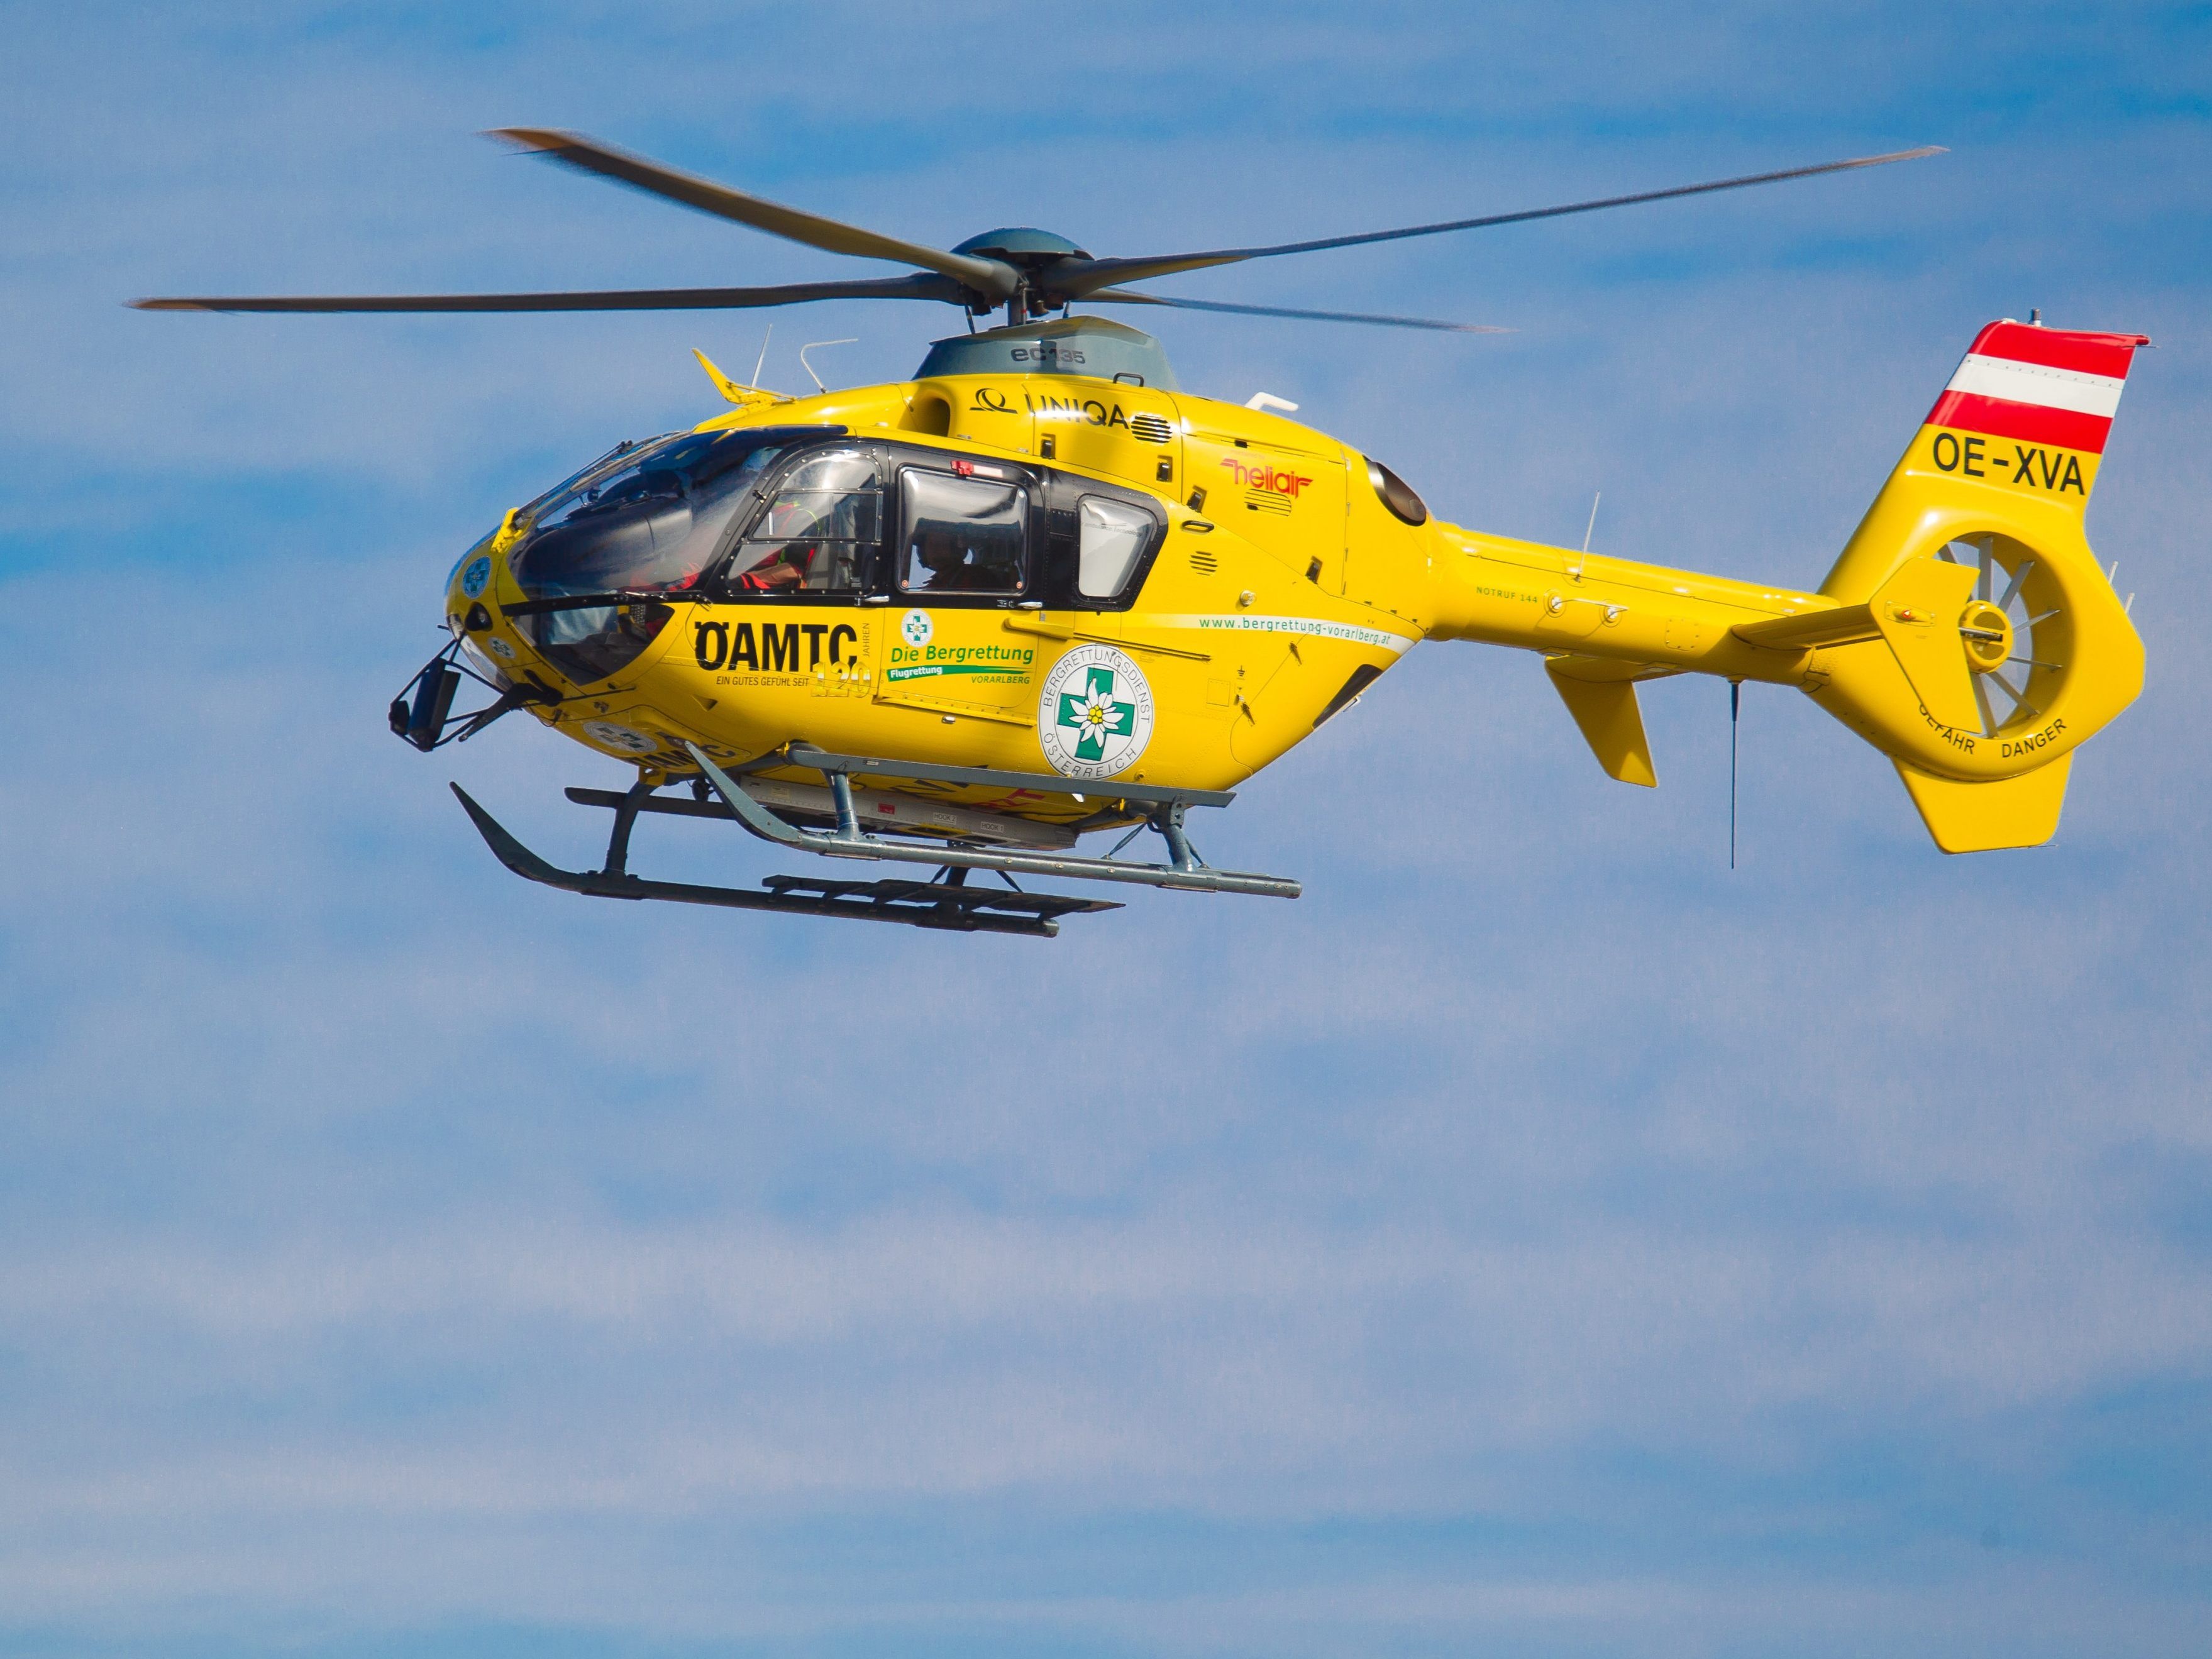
[[1916, 612], [1811, 630], [1606, 711], [1981, 817]]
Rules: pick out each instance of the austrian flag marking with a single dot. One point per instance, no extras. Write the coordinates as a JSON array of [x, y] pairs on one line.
[[2040, 385]]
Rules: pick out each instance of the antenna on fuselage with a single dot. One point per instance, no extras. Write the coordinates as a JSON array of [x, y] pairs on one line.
[[761, 361], [810, 345], [1735, 705]]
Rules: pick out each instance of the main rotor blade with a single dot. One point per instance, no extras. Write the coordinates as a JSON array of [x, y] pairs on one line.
[[1077, 278], [1122, 296], [925, 286], [574, 149]]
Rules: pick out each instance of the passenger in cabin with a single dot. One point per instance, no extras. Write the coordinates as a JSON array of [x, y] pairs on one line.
[[941, 563]]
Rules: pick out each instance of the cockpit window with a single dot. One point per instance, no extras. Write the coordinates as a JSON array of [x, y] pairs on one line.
[[652, 517], [816, 531]]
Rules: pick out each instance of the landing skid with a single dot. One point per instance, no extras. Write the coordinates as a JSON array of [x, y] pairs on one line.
[[1185, 870], [949, 904], [945, 901]]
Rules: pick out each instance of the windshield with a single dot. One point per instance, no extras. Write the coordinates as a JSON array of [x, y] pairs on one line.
[[650, 517], [614, 457]]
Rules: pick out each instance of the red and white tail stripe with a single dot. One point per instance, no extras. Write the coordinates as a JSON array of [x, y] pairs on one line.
[[2039, 385]]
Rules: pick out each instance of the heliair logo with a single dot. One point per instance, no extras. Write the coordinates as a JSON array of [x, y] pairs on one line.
[[1094, 716]]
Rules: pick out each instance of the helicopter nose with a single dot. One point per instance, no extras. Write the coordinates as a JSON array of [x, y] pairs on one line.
[[468, 613], [472, 576]]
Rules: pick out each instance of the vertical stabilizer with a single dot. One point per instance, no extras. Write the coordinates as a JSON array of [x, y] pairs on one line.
[[2023, 652]]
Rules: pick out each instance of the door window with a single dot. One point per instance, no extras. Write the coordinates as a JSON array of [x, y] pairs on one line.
[[817, 531], [963, 535]]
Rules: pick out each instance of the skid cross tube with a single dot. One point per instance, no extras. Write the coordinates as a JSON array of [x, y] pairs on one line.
[[822, 812], [1185, 873], [626, 812], [949, 906]]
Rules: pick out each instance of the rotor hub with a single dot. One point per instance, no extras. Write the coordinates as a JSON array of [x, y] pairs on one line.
[[1987, 633], [1021, 245]]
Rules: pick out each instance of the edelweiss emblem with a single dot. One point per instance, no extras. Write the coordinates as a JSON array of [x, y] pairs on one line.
[[1096, 713]]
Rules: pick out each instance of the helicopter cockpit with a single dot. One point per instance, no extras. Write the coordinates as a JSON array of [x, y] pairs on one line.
[[651, 516], [807, 515]]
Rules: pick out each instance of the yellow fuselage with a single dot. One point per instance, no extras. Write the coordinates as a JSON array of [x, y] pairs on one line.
[[1282, 575]]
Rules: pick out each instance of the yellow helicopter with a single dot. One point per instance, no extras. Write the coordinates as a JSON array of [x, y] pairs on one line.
[[1038, 592]]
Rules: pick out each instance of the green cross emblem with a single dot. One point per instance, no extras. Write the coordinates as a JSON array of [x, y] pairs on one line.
[[1095, 715]]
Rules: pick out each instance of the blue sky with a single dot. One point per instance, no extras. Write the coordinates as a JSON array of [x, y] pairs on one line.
[[1538, 1239]]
